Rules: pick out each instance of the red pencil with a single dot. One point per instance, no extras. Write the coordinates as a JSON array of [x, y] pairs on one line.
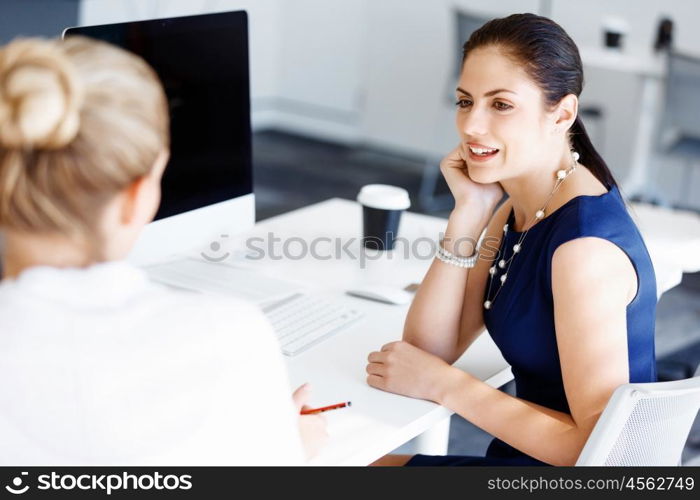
[[337, 406]]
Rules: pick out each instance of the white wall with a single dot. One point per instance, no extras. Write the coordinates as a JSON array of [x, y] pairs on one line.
[[321, 47], [305, 56], [583, 21], [410, 79], [617, 92], [380, 72]]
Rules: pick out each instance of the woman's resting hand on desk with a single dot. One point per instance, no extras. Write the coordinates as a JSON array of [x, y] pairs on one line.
[[405, 369]]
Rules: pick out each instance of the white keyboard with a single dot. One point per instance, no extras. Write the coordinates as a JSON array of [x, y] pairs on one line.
[[302, 320], [299, 319], [221, 279]]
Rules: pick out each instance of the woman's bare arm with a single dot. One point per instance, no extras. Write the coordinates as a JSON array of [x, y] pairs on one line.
[[592, 283], [447, 312]]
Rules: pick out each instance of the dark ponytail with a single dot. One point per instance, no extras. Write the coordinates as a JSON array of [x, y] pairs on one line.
[[589, 156], [550, 57]]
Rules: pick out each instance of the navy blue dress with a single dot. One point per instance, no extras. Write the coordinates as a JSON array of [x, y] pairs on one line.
[[521, 318]]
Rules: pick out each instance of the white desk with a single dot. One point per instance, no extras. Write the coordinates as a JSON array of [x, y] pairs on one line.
[[378, 422], [673, 238]]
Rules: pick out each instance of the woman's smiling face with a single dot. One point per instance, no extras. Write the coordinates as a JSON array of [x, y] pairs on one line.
[[501, 118]]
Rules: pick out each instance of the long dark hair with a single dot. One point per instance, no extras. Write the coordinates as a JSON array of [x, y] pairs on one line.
[[551, 59]]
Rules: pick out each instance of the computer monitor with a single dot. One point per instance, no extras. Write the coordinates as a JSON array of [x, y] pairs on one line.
[[207, 187]]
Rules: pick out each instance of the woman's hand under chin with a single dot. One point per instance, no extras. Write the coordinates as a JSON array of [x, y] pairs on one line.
[[464, 190], [405, 369]]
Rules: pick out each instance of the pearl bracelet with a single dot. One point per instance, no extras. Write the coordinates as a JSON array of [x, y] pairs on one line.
[[449, 258]]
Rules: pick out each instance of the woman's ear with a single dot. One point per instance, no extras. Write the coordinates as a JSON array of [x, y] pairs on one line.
[[132, 199], [142, 196], [566, 112]]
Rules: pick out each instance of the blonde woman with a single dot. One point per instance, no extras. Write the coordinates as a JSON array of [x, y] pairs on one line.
[[100, 366]]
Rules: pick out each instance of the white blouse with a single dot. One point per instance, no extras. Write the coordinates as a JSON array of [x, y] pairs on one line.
[[99, 366]]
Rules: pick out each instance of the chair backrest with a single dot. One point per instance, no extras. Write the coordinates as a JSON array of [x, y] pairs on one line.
[[434, 194], [466, 23], [644, 424]]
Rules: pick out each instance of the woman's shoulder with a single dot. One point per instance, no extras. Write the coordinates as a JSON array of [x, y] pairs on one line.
[[121, 302], [604, 215]]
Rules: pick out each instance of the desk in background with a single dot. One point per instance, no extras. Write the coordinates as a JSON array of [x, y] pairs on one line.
[[650, 71]]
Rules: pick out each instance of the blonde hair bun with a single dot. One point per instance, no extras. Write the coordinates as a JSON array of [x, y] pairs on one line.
[[40, 96]]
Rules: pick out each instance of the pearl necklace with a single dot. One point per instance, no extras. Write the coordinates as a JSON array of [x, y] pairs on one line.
[[502, 263]]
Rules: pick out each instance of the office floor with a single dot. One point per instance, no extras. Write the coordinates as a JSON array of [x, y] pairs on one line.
[[291, 172]]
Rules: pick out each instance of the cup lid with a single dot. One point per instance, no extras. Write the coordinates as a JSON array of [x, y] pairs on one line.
[[615, 24], [384, 197]]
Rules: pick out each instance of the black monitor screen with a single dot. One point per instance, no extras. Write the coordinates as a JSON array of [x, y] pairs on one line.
[[202, 62]]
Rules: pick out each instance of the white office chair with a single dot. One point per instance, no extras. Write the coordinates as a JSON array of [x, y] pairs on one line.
[[644, 424]]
